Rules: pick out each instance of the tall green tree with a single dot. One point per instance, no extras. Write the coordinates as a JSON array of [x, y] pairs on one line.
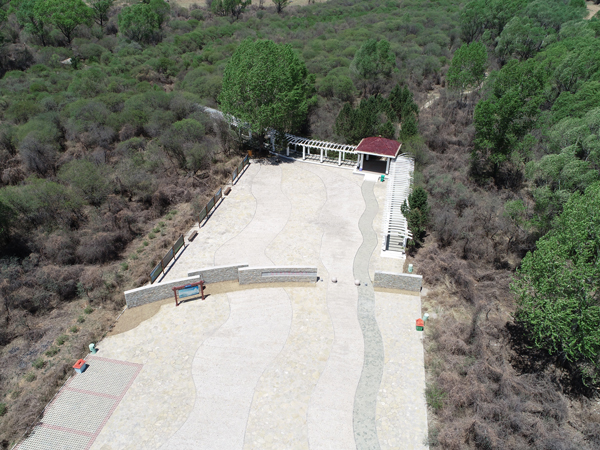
[[32, 17], [140, 22], [267, 86], [509, 112], [233, 8], [402, 102], [101, 9], [416, 212], [373, 62], [558, 286], [467, 69], [67, 15], [374, 116], [281, 4], [522, 38]]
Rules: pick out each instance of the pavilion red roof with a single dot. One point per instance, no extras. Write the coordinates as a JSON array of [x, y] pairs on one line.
[[379, 146]]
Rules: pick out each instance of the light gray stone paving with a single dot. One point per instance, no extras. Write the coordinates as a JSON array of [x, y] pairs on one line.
[[365, 401], [330, 413], [234, 214], [278, 415], [401, 406], [163, 394], [272, 212], [227, 367]]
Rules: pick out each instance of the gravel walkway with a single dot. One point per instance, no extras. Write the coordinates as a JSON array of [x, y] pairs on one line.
[[365, 400]]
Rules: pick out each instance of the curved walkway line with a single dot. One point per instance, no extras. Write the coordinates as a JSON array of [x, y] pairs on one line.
[[272, 213], [228, 366], [330, 412], [365, 400], [278, 415]]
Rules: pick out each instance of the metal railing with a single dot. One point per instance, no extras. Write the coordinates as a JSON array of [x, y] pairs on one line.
[[204, 212], [164, 262]]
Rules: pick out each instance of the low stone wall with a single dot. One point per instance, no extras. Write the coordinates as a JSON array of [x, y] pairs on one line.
[[155, 292], [252, 275], [218, 274], [403, 281]]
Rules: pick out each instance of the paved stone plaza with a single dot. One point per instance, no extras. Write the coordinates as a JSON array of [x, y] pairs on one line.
[[329, 366]]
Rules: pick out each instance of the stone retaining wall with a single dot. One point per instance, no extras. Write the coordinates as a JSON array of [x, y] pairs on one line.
[[252, 275], [239, 272], [218, 274], [403, 281], [155, 292]]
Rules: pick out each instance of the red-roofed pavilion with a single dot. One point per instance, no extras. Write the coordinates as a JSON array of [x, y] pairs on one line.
[[378, 146]]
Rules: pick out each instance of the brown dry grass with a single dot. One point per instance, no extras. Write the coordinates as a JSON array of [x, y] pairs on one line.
[[486, 388]]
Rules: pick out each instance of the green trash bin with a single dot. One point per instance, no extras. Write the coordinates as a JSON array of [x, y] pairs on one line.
[[382, 179]]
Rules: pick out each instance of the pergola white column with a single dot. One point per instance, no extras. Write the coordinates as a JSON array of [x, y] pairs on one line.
[[340, 158], [303, 152], [287, 150], [387, 166], [362, 158], [321, 154]]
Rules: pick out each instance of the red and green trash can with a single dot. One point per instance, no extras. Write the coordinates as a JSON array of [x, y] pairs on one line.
[[80, 366], [420, 325]]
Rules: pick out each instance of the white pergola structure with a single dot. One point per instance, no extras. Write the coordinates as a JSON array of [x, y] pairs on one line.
[[378, 146], [322, 146]]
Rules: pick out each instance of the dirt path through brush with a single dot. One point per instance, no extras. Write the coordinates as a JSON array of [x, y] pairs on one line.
[[592, 8]]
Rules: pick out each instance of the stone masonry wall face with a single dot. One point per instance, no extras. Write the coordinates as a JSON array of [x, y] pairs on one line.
[[277, 274], [404, 281], [155, 292], [218, 274]]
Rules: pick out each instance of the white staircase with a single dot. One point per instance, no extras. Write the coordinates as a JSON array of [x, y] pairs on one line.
[[395, 227]]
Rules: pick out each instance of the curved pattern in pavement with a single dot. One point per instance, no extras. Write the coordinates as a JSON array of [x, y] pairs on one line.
[[279, 408], [227, 367], [330, 412], [272, 213], [365, 401]]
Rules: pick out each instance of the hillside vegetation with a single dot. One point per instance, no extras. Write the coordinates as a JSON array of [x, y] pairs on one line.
[[106, 154]]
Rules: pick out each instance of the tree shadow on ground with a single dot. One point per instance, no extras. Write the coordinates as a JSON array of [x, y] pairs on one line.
[[526, 358]]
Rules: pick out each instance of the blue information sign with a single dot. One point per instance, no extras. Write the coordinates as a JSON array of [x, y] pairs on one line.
[[188, 291]]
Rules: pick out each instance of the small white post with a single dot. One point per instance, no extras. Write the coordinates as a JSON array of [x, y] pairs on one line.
[[367, 157], [362, 158], [387, 166], [321, 154], [287, 150], [303, 152], [340, 158]]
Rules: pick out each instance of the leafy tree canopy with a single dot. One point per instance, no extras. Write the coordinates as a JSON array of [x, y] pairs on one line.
[[558, 285], [141, 22], [416, 211], [67, 15], [467, 69], [267, 86], [101, 9], [372, 61]]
